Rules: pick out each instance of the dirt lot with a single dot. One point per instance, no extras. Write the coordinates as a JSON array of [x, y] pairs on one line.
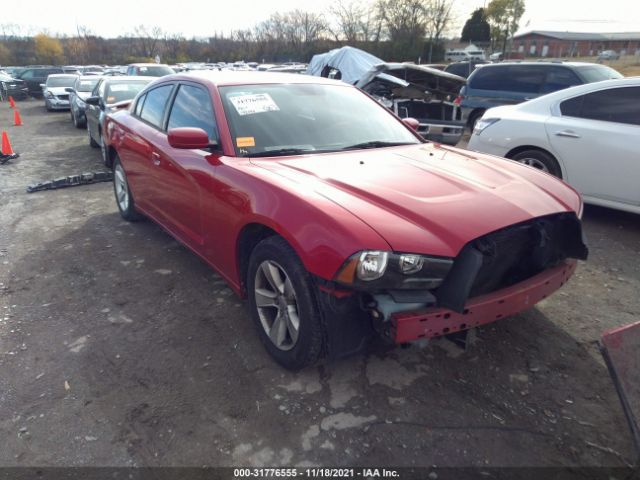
[[120, 347]]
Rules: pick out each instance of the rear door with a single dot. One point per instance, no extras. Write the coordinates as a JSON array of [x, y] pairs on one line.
[[597, 138], [93, 111], [144, 143]]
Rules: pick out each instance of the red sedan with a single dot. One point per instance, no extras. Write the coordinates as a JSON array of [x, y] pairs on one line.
[[332, 216]]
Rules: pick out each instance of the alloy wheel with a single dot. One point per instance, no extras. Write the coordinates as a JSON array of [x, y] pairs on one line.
[[277, 305], [535, 163], [122, 190]]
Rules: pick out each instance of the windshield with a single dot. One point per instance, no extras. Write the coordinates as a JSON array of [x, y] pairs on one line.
[[154, 71], [291, 119], [597, 73], [86, 85], [118, 92], [61, 81]]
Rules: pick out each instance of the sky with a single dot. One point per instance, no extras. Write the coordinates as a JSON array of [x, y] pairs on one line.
[[201, 18]]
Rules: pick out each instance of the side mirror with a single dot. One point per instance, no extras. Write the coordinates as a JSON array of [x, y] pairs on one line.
[[69, 89], [42, 85], [188, 138], [95, 101], [412, 123]]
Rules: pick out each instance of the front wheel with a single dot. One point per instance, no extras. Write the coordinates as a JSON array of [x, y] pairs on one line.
[[283, 305], [124, 198], [540, 160], [92, 142]]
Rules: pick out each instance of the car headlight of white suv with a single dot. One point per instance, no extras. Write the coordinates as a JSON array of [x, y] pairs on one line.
[[483, 124]]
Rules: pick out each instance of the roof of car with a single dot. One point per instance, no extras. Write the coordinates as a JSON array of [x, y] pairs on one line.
[[127, 78], [63, 75], [229, 77], [147, 65], [542, 62]]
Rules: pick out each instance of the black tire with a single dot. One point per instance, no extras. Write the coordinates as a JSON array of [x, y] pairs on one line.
[[473, 119], [92, 142], [539, 159], [128, 211], [80, 124], [309, 344]]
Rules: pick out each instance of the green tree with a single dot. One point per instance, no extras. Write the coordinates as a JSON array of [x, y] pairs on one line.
[[504, 18], [48, 49], [476, 29]]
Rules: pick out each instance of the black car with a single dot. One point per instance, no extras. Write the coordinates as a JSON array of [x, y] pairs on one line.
[[107, 96], [80, 91], [463, 69], [13, 87], [36, 76]]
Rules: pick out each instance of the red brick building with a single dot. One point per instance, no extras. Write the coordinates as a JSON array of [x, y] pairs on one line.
[[542, 43]]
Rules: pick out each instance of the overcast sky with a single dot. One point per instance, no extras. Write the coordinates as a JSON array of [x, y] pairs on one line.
[[202, 18]]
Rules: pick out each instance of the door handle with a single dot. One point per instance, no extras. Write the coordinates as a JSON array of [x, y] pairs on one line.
[[155, 157], [568, 134]]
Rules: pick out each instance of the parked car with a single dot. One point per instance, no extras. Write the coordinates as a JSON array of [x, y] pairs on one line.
[[36, 76], [332, 216], [109, 94], [80, 91], [149, 70], [464, 69], [508, 83], [13, 87], [56, 96], [457, 56], [496, 56], [608, 55], [407, 89], [587, 135]]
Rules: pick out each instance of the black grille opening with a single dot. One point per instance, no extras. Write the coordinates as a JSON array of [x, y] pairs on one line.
[[511, 255]]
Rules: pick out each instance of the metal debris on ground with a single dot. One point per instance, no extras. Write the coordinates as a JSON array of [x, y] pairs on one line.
[[71, 181], [5, 158]]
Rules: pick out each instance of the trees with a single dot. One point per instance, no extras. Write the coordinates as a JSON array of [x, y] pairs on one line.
[[476, 29], [438, 20], [48, 50], [504, 17]]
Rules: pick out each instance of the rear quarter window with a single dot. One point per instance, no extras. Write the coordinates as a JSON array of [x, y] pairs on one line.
[[154, 106]]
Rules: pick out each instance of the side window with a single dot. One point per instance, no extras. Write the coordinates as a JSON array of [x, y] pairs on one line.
[[572, 107], [192, 108], [620, 105], [559, 78], [139, 104], [153, 108], [27, 75], [490, 78], [101, 89], [526, 78]]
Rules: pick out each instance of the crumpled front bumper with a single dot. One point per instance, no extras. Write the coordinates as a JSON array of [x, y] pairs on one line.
[[483, 309]]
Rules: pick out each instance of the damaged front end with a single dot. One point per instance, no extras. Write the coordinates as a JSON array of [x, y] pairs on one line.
[[408, 296], [423, 93]]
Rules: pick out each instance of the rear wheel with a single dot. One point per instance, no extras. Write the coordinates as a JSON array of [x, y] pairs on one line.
[[283, 305], [124, 198], [540, 160], [473, 119]]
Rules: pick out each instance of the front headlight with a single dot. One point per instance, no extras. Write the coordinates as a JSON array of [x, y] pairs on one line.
[[49, 94], [378, 270], [484, 123]]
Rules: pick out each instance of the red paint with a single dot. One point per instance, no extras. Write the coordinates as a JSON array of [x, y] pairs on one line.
[[188, 138], [422, 199], [435, 322]]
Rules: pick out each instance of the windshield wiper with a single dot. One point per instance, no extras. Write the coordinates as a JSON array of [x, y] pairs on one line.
[[279, 152], [376, 144]]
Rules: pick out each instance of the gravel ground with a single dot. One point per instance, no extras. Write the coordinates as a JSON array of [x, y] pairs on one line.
[[119, 347]]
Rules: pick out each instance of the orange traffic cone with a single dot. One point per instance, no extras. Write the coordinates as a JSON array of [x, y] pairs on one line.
[[6, 145], [12, 104], [16, 118]]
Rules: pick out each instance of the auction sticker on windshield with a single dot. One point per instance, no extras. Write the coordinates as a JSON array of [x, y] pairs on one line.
[[249, 104]]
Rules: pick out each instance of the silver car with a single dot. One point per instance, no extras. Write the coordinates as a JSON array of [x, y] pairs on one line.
[[55, 92]]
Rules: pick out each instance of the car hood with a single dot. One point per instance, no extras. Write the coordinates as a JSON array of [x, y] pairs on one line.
[[428, 198], [408, 80], [57, 90]]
